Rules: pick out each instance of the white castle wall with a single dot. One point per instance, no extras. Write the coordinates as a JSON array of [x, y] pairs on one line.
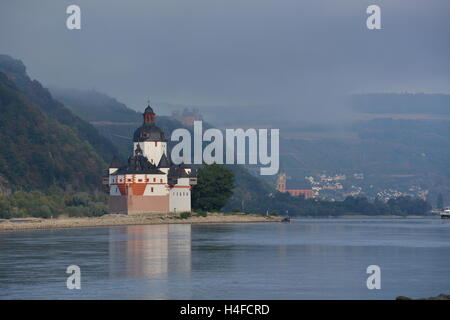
[[180, 199], [156, 184], [153, 150], [156, 190]]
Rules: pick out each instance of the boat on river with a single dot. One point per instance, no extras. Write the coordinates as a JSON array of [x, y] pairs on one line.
[[445, 213]]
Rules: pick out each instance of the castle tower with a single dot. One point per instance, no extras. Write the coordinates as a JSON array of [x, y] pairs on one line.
[[150, 138], [281, 182]]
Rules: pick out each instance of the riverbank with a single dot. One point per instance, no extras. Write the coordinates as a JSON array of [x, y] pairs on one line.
[[442, 296], [123, 220], [361, 216]]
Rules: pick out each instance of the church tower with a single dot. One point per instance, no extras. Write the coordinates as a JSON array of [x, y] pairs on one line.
[[150, 138], [281, 182]]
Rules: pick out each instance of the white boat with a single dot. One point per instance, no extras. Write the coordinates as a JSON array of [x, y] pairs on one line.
[[445, 214]]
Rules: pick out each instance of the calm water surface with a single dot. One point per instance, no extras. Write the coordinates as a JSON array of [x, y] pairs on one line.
[[306, 259]]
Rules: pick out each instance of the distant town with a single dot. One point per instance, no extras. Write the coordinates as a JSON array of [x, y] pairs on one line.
[[336, 187]]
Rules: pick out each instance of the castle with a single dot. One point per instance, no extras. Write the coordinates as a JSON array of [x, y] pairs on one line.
[[150, 182], [187, 117]]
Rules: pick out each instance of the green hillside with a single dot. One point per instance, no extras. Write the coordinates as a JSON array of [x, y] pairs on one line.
[[41, 98], [38, 152]]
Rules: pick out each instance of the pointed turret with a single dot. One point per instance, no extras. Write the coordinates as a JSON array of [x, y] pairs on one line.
[[115, 163], [138, 150], [149, 131], [164, 162]]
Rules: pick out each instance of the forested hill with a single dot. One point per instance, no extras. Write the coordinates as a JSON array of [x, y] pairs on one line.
[[41, 97], [94, 106], [38, 152]]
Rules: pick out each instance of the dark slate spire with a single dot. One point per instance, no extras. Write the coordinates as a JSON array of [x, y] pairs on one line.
[[148, 110], [149, 115], [193, 173], [182, 171], [164, 162], [138, 164], [149, 131], [138, 150], [115, 162]]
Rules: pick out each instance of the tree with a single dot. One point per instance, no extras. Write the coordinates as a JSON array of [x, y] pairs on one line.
[[214, 188], [440, 202]]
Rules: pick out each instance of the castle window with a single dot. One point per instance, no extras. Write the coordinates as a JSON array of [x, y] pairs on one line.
[[151, 189], [160, 180], [129, 180], [147, 180], [154, 179], [140, 180]]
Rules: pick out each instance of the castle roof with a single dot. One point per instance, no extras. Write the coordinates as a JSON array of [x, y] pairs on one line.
[[148, 132], [130, 171], [148, 110], [164, 162], [193, 173], [179, 171], [115, 162], [138, 164]]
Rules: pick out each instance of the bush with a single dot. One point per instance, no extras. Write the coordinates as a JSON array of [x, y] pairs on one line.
[[52, 203], [214, 188], [202, 214], [185, 215]]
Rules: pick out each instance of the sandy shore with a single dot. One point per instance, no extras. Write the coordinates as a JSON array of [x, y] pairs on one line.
[[122, 220]]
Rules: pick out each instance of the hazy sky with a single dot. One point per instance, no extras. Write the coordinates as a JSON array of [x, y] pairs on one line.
[[291, 53]]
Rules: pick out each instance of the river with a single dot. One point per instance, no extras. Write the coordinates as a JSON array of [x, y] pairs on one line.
[[304, 259]]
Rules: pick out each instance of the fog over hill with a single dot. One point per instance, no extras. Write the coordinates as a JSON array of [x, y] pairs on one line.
[[296, 57], [393, 155]]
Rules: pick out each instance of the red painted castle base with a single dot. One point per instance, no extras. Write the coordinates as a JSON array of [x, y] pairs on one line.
[[132, 204]]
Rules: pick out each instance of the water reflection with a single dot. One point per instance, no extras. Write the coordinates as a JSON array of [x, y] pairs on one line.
[[150, 251]]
